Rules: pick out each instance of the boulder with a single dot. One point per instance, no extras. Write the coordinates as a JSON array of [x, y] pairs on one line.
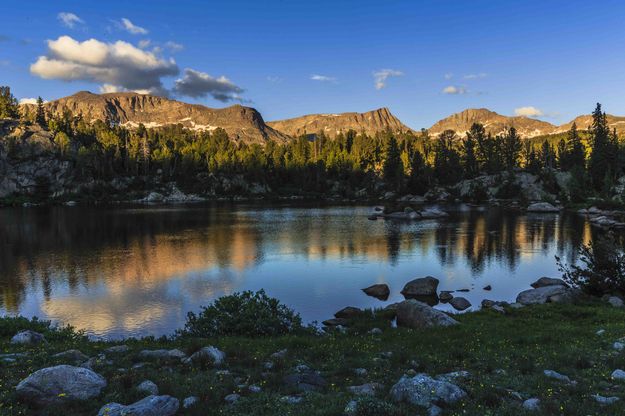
[[615, 301], [28, 337], [533, 404], [348, 313], [59, 384], [547, 281], [454, 376], [336, 322], [148, 387], [379, 291], [557, 376], [414, 314], [367, 389], [190, 401], [305, 381], [546, 294], [150, 406], [422, 390], [74, 356], [602, 400], [433, 212], [174, 354], [424, 286], [117, 349], [460, 303], [232, 398], [618, 375], [487, 288], [542, 207], [445, 296], [210, 354]]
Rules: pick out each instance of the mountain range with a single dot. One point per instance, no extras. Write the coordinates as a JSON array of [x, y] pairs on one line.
[[247, 125]]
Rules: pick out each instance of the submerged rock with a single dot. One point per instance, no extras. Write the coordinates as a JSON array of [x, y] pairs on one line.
[[380, 291], [445, 296], [60, 384], [547, 281], [150, 406], [542, 207], [424, 286], [414, 314], [460, 303], [348, 313]]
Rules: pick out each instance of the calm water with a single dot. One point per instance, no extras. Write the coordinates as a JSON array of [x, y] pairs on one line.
[[137, 271]]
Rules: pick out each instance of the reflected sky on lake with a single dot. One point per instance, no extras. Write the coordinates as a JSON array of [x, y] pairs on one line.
[[134, 271]]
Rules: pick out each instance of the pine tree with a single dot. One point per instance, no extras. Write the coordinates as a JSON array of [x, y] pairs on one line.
[[575, 150], [8, 104], [393, 168], [599, 157], [511, 149], [40, 115], [469, 159]]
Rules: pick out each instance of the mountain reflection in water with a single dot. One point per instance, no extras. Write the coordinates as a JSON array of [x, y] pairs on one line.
[[138, 271]]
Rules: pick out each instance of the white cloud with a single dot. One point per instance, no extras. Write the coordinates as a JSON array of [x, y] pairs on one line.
[[476, 76], [448, 75], [69, 19], [528, 111], [29, 101], [144, 43], [132, 28], [383, 75], [119, 64], [173, 46], [322, 78], [454, 90], [274, 79], [198, 84]]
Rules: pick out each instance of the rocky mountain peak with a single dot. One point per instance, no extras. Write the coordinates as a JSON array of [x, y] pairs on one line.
[[131, 109]]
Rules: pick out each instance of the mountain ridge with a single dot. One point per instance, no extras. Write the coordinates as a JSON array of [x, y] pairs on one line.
[[247, 125], [370, 122], [130, 109]]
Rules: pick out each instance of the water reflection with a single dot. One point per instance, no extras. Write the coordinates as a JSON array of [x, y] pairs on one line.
[[138, 271]]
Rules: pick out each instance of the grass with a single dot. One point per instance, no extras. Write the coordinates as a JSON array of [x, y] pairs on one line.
[[504, 353]]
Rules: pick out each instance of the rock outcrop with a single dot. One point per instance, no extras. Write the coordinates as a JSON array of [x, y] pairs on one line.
[[414, 314], [60, 384]]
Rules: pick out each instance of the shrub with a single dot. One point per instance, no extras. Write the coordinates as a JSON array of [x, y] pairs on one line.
[[602, 270], [247, 313]]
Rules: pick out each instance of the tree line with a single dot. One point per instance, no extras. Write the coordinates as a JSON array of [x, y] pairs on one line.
[[406, 162]]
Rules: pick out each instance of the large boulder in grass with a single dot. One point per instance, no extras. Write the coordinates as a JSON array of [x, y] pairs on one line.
[[555, 294], [414, 314], [62, 383], [380, 291], [28, 337], [422, 287], [150, 406], [423, 390], [174, 354], [207, 354]]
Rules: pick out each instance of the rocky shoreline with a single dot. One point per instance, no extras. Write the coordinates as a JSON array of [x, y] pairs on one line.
[[88, 373]]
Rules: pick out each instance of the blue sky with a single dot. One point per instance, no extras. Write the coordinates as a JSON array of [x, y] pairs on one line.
[[288, 58]]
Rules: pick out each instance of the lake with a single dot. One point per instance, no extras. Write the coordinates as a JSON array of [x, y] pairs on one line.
[[137, 270]]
